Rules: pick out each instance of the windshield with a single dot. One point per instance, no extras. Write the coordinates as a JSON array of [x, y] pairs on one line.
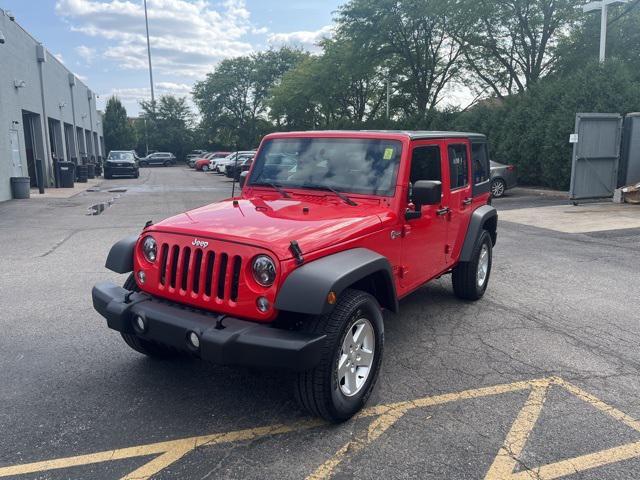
[[120, 156], [363, 166]]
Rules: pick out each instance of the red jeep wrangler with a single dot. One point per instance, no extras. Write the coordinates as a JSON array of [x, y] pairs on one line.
[[331, 229]]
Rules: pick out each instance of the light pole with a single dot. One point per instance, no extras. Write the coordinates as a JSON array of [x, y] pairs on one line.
[[146, 21], [603, 6]]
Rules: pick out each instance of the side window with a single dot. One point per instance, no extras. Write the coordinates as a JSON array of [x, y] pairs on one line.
[[425, 164], [480, 159], [458, 166]]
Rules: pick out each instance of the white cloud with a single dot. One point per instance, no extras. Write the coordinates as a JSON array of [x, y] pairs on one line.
[[187, 37], [88, 54], [303, 38]]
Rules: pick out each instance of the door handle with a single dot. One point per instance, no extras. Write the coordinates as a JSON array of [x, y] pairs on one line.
[[467, 201], [443, 211]]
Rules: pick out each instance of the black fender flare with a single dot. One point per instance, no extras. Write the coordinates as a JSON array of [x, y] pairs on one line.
[[120, 258], [483, 218], [305, 290]]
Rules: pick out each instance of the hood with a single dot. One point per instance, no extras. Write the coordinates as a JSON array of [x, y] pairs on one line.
[[314, 221]]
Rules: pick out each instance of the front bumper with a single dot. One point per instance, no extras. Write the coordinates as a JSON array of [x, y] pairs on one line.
[[223, 340], [118, 170]]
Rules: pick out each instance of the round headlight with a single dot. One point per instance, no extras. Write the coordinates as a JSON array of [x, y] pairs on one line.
[[264, 270], [150, 249]]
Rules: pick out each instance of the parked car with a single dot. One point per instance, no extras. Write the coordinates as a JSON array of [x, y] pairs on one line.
[[221, 164], [160, 158], [295, 272], [503, 178], [121, 163], [234, 170], [193, 156], [204, 163]]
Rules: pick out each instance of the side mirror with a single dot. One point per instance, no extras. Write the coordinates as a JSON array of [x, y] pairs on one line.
[[243, 178], [424, 192]]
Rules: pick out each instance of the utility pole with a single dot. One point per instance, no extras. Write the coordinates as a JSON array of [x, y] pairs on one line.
[[146, 21], [603, 6]]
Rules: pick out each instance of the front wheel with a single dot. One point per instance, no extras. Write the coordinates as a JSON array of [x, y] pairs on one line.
[[205, 168], [340, 385], [470, 279], [167, 163]]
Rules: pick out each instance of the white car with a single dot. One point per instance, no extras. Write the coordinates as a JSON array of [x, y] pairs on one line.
[[221, 164]]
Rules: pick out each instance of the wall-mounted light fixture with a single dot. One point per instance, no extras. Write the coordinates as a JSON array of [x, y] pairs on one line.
[[11, 16], [2, 39], [61, 105], [19, 83], [15, 122], [84, 115]]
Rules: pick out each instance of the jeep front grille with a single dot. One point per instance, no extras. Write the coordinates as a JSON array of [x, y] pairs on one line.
[[197, 273]]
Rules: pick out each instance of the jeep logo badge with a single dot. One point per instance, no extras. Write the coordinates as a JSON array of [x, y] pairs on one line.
[[200, 243]]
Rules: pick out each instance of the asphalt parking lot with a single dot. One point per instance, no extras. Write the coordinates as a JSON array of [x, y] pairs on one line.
[[540, 379]]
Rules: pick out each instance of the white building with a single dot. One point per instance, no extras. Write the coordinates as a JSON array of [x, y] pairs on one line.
[[46, 112]]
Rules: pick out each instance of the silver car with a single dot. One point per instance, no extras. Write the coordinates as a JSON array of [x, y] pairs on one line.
[[503, 178]]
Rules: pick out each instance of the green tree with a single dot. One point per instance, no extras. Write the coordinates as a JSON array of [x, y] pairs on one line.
[[167, 126], [118, 133], [583, 43], [531, 130], [415, 39], [343, 87], [511, 44], [233, 99]]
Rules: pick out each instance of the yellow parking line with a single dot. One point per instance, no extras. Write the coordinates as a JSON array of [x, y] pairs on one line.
[[599, 404], [580, 464], [376, 428], [168, 452], [157, 448], [507, 458]]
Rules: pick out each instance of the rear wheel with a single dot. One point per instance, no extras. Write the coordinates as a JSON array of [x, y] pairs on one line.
[[470, 279], [167, 163], [138, 344], [143, 164], [498, 187], [342, 382], [205, 168]]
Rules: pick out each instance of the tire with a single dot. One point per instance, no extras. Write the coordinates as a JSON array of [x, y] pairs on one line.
[[140, 345], [468, 282], [107, 176], [143, 164], [498, 187], [167, 163], [319, 391], [205, 168], [137, 174]]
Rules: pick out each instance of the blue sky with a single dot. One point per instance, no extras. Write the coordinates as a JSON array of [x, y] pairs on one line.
[[102, 41]]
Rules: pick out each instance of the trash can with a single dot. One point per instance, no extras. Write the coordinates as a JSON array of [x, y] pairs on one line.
[[81, 174], [67, 174], [91, 170], [20, 187]]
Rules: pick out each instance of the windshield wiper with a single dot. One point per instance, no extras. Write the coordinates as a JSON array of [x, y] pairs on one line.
[[342, 196], [275, 186]]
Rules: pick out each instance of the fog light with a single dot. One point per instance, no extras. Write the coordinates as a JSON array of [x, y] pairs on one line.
[[263, 304], [141, 276], [140, 324], [194, 340]]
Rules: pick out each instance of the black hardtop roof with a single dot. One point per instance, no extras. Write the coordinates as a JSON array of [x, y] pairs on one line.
[[431, 134]]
